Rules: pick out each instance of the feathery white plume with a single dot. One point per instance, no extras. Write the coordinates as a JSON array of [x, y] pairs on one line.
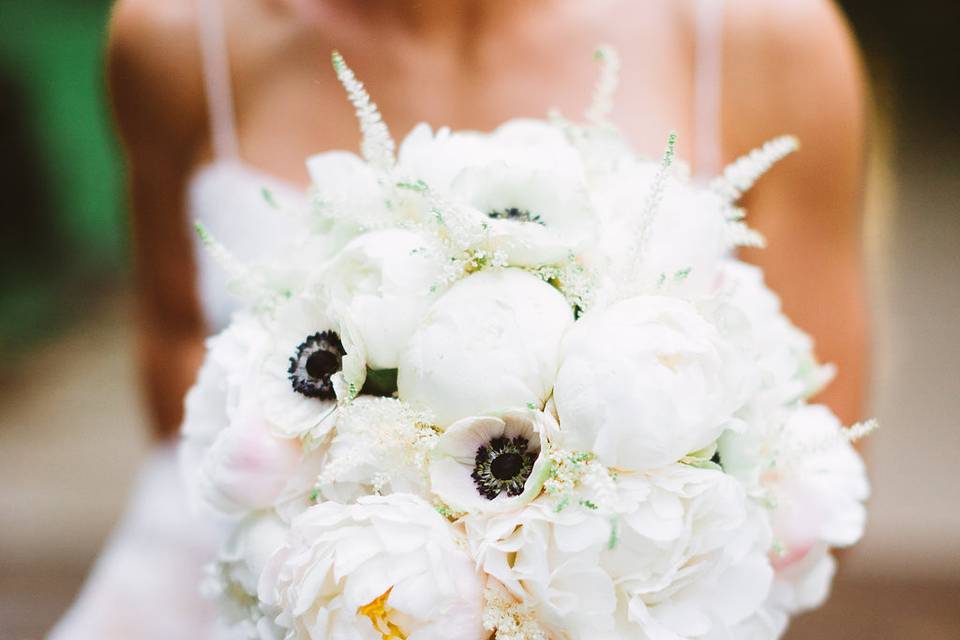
[[598, 113], [377, 146], [741, 174]]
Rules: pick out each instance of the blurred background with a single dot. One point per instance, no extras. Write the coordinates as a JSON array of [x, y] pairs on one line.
[[72, 429]]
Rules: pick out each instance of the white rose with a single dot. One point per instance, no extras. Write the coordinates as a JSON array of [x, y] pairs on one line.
[[488, 464], [488, 344], [386, 280], [645, 382], [384, 565]]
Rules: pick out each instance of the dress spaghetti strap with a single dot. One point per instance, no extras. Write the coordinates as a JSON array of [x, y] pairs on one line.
[[707, 88], [216, 76]]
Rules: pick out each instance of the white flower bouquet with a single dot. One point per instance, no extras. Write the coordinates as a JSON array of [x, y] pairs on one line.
[[515, 385]]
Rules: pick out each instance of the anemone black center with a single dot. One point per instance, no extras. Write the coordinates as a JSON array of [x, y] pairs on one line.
[[312, 368], [322, 363], [503, 465], [506, 466], [514, 213]]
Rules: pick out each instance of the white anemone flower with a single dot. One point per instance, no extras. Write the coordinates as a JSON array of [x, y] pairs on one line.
[[525, 181], [488, 464], [535, 217], [382, 567], [488, 344], [386, 281], [313, 360], [646, 381]]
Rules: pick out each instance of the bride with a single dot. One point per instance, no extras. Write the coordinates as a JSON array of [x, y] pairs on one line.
[[217, 99]]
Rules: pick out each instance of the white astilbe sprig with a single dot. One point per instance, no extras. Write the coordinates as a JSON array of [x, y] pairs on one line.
[[462, 237], [598, 113], [243, 281], [572, 279], [384, 433], [377, 145], [737, 233], [576, 477], [510, 620], [742, 173], [792, 454], [628, 270]]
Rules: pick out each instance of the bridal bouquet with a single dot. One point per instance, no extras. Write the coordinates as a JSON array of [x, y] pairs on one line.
[[515, 385]]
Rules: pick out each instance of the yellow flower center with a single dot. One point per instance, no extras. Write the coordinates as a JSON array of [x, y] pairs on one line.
[[379, 612]]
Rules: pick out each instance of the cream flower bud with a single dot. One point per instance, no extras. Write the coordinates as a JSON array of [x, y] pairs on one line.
[[646, 381], [490, 343]]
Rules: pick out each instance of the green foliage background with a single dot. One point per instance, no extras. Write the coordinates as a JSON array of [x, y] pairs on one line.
[[63, 227]]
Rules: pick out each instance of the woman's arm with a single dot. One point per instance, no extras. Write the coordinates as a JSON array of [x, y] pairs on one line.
[[793, 67], [158, 104]]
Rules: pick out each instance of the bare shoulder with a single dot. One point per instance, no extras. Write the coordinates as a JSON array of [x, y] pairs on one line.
[[154, 70], [790, 67]]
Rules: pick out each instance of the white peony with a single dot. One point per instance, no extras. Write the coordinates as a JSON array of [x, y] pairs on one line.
[[686, 240], [691, 560], [674, 554], [784, 354], [647, 381], [386, 281], [488, 464], [382, 566], [490, 343], [234, 576]]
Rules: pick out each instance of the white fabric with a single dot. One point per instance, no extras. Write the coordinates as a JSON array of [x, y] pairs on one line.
[[227, 197], [146, 584]]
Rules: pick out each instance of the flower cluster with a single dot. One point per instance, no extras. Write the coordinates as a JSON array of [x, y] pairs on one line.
[[520, 389]]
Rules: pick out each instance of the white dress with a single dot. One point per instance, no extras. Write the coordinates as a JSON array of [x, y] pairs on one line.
[[146, 583]]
